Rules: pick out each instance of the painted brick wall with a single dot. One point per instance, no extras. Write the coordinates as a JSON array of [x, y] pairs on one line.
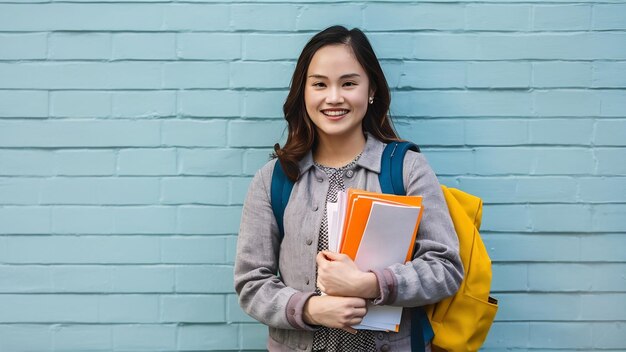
[[129, 132]]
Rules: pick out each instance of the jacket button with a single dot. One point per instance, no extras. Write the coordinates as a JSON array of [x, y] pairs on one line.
[[309, 242], [320, 180], [381, 336], [315, 207], [349, 173], [302, 346], [385, 348], [306, 281]]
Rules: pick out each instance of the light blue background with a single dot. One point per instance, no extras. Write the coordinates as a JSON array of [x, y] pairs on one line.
[[129, 132]]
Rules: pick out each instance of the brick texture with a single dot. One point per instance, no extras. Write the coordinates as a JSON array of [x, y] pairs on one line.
[[130, 130]]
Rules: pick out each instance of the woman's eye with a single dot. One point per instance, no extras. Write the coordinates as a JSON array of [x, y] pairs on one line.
[[349, 84], [319, 84]]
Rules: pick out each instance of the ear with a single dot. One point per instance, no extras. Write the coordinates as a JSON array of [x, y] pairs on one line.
[[372, 90]]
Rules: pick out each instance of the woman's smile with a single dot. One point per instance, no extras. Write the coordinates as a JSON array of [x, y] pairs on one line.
[[335, 114]]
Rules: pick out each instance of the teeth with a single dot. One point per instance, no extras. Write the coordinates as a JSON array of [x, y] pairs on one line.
[[335, 112]]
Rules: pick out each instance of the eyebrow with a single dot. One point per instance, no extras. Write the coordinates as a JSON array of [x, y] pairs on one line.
[[349, 75]]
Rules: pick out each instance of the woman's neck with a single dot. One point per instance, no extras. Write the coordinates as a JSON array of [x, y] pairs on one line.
[[339, 151]]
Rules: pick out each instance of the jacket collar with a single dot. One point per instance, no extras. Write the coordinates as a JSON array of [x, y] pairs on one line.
[[370, 158], [372, 153]]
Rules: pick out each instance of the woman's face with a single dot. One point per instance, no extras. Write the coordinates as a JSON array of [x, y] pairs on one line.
[[336, 92]]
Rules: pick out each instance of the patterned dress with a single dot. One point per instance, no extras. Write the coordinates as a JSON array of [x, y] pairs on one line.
[[328, 339]]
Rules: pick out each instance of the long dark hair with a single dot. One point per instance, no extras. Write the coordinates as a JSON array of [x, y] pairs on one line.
[[302, 135]]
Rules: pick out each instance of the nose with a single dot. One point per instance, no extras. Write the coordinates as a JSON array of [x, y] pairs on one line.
[[334, 96]]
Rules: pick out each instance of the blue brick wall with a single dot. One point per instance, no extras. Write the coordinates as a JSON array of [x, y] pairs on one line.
[[130, 130]]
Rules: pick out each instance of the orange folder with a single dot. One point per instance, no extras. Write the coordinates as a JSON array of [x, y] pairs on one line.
[[359, 205]]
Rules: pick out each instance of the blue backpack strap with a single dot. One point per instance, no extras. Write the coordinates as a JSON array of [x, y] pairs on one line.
[[391, 166], [384, 177], [280, 191], [392, 182], [421, 331]]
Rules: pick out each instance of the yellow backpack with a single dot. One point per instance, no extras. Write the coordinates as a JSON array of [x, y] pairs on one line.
[[461, 322]]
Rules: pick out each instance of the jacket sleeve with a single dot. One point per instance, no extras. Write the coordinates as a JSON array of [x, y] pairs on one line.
[[436, 270], [262, 294]]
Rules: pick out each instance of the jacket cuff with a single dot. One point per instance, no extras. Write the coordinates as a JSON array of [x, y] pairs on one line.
[[295, 311], [387, 285]]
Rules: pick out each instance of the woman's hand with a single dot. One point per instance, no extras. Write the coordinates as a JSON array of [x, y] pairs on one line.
[[335, 312], [337, 275]]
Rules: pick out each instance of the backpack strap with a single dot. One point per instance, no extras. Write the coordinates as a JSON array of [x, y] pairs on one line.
[[391, 165], [392, 182], [280, 191]]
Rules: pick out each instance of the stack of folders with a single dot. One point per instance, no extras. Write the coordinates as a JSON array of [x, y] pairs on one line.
[[376, 230]]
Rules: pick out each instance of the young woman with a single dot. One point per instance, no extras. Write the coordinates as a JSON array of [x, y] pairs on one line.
[[337, 113]]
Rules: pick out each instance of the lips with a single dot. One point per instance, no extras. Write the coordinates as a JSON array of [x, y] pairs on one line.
[[335, 114]]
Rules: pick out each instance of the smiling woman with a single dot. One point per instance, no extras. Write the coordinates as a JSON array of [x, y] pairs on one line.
[[337, 112]]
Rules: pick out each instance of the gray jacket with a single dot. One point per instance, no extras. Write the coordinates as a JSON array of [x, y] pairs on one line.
[[277, 301]]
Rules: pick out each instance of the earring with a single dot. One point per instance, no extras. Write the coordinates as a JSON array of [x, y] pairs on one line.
[[371, 100]]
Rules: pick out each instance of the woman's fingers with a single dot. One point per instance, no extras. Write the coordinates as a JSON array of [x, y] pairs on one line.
[[357, 318], [321, 258], [355, 313], [359, 302], [326, 257], [360, 312], [333, 256]]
